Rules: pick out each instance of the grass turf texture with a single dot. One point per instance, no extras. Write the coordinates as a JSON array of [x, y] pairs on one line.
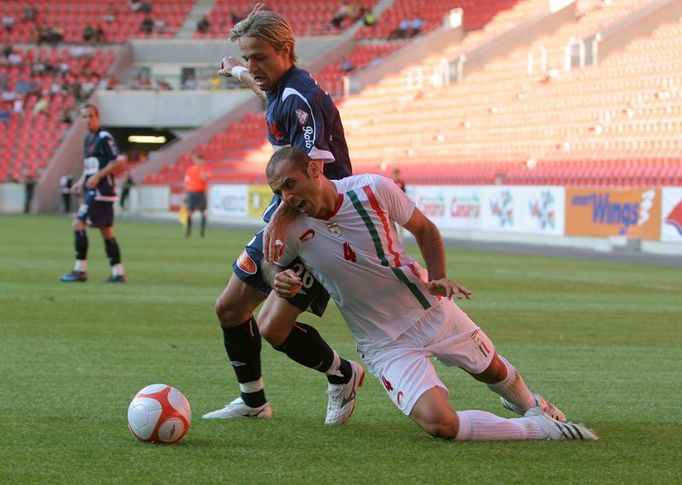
[[600, 339]]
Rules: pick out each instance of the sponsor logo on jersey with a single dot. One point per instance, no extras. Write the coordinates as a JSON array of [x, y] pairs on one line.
[[307, 236], [334, 229], [308, 136], [675, 218], [302, 116], [246, 264]]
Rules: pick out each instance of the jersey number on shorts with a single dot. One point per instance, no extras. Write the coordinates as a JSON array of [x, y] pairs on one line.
[[348, 253], [307, 279]]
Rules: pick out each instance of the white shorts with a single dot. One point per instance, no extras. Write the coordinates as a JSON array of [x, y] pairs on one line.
[[405, 368]]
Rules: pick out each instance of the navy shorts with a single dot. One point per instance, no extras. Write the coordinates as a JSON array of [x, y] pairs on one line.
[[96, 213], [313, 297], [196, 201]]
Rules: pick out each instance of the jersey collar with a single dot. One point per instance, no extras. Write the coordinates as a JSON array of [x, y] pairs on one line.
[[339, 201]]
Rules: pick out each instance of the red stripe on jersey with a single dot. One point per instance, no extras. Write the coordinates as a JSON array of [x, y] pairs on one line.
[[384, 222], [339, 201]]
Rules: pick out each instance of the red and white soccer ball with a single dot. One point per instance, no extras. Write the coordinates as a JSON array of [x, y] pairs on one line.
[[159, 414]]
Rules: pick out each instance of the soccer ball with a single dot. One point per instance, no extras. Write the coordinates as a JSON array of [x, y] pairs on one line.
[[159, 414]]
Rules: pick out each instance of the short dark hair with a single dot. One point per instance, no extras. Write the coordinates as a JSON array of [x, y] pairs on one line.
[[297, 156], [92, 107]]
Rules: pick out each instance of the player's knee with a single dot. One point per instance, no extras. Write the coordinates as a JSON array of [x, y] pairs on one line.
[[443, 426], [494, 373], [229, 312], [274, 330]]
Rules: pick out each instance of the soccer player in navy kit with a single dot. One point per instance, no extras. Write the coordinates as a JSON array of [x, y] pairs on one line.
[[299, 113], [101, 160]]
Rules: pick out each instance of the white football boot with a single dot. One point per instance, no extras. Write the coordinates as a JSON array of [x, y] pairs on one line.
[[238, 409], [341, 403], [557, 430], [547, 407]]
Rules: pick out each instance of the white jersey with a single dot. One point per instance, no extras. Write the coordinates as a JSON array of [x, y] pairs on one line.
[[357, 256]]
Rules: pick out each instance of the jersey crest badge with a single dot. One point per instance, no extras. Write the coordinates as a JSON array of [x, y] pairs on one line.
[[245, 263], [302, 116], [307, 236], [334, 229]]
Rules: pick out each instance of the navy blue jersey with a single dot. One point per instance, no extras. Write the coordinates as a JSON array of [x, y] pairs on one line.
[[300, 113], [100, 150]]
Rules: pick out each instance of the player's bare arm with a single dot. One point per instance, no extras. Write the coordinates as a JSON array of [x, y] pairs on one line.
[[233, 67], [432, 249], [287, 283]]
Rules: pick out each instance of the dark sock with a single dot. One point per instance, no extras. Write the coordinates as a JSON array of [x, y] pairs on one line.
[[189, 225], [306, 346], [113, 251], [81, 244], [243, 345], [203, 225]]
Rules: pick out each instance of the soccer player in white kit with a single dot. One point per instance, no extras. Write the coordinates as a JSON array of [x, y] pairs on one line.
[[400, 313]]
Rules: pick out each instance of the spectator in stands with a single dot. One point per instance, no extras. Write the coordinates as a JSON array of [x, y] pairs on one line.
[[99, 37], [196, 183], [42, 106], [101, 161], [370, 18], [163, 85], [346, 65], [66, 117], [55, 36], [401, 32], [147, 25], [190, 82], [160, 25], [346, 11], [30, 13], [65, 183], [203, 26], [8, 22], [18, 105], [135, 5], [415, 27], [88, 33], [42, 34]]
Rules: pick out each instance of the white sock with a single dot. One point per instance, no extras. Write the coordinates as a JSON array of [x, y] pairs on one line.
[[117, 270], [335, 368], [81, 265], [513, 388], [484, 426], [253, 386]]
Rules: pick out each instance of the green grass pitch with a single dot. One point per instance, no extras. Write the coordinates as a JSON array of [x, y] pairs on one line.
[[602, 340]]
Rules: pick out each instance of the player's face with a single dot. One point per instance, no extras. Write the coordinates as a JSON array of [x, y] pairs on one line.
[[91, 119], [297, 189], [264, 62]]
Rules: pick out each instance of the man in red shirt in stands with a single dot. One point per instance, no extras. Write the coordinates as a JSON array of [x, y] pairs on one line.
[[196, 183]]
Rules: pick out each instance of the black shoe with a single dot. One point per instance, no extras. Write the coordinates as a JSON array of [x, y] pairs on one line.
[[116, 279], [74, 276]]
